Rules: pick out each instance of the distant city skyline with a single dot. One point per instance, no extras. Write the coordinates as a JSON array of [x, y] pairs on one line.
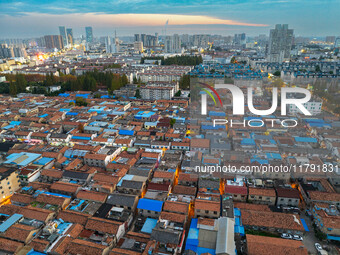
[[24, 19]]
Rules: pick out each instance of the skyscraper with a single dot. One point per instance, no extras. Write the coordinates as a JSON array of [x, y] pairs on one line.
[[54, 41], [108, 44], [137, 37], [89, 34], [280, 43], [240, 40], [143, 39], [69, 33], [62, 32]]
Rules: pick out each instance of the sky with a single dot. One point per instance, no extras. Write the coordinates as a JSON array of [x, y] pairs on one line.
[[33, 18]]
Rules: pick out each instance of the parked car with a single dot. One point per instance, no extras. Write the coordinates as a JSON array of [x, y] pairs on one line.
[[297, 237], [318, 246], [286, 236]]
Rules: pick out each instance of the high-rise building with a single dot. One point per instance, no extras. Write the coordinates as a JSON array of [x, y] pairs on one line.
[[137, 37], [6, 52], [330, 39], [107, 44], [138, 46], [16, 51], [280, 43], [54, 41], [89, 34], [19, 52], [337, 42], [69, 34], [62, 32], [172, 44], [143, 39], [240, 40]]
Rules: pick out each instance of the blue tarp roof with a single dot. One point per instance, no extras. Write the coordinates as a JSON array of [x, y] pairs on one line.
[[239, 229], [33, 252], [126, 132], [213, 113], [247, 141], [149, 225], [305, 139], [64, 95], [149, 204], [273, 155], [72, 114], [82, 95], [304, 225], [81, 137], [335, 238], [15, 123]]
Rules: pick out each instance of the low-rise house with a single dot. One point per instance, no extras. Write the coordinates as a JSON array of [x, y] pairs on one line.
[[262, 196], [287, 197], [69, 189], [50, 175], [207, 209], [270, 245], [149, 208], [272, 221], [238, 193]]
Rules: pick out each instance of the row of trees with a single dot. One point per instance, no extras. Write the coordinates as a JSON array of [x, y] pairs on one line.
[[89, 81], [177, 60]]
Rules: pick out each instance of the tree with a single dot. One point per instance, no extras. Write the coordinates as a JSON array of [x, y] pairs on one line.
[[124, 80], [277, 73], [317, 69], [80, 101], [13, 89], [135, 81], [137, 94], [172, 122], [178, 93], [184, 82], [21, 83], [278, 83], [81, 128]]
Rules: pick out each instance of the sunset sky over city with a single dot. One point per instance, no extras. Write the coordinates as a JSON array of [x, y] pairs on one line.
[[37, 17]]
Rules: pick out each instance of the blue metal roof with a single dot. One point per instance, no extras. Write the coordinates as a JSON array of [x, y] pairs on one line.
[[149, 204], [25, 160], [149, 225], [10, 221], [43, 161]]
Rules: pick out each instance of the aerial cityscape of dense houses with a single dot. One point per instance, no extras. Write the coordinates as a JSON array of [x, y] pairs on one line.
[[106, 168]]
